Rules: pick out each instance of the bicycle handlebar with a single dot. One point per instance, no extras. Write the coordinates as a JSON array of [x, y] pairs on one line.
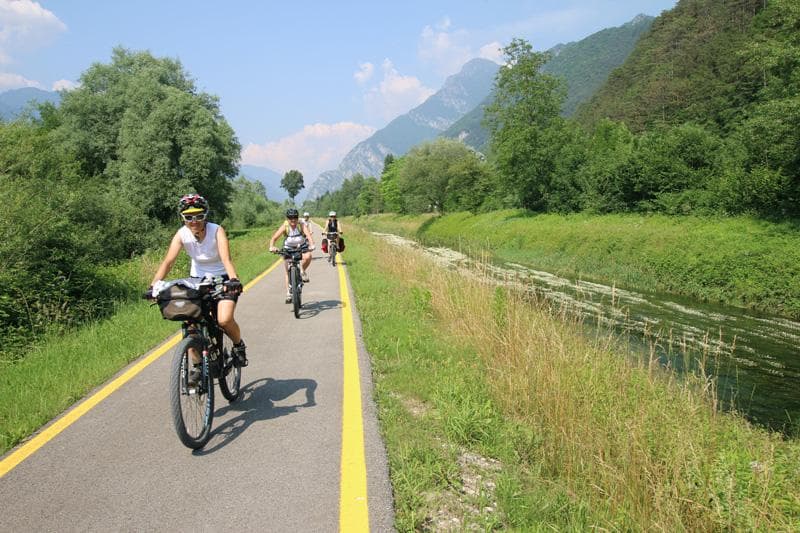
[[204, 286]]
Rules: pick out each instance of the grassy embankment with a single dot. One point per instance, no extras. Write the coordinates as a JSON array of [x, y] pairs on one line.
[[62, 369], [737, 261], [498, 414]]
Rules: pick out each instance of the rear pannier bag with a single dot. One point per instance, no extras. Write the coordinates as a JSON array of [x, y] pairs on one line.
[[325, 246], [180, 303], [341, 244]]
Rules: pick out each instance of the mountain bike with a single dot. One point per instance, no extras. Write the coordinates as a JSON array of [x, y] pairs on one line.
[[333, 247], [294, 256], [194, 303]]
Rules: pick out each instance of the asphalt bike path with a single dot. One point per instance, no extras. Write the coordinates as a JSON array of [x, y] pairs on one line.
[[286, 457]]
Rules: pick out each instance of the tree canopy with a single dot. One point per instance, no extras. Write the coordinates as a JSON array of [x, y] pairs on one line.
[[292, 182]]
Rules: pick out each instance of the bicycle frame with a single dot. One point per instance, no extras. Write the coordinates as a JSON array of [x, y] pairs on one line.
[[209, 333], [333, 247], [292, 258]]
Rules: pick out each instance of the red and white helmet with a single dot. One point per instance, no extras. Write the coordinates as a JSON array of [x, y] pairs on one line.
[[193, 203]]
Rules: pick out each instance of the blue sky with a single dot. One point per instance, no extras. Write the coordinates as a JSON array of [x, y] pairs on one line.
[[301, 82]]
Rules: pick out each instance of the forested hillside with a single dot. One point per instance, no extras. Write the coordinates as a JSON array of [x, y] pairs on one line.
[[583, 65]]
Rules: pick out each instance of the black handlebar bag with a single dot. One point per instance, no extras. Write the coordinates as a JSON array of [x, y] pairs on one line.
[[178, 302]]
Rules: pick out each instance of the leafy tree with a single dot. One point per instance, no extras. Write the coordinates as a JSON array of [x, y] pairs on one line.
[[250, 206], [608, 150], [48, 247], [140, 125], [369, 201], [525, 109], [292, 182], [442, 175], [390, 188]]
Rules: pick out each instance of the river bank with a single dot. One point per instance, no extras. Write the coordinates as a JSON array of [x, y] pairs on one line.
[[735, 261], [499, 415]]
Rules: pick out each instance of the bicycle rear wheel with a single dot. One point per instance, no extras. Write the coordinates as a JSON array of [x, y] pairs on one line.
[[294, 281], [192, 407], [230, 377]]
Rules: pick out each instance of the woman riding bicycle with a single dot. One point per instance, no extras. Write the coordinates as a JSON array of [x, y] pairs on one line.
[[332, 225], [207, 246], [297, 235]]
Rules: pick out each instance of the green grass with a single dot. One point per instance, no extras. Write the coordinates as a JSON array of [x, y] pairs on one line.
[[737, 261], [57, 372], [581, 437]]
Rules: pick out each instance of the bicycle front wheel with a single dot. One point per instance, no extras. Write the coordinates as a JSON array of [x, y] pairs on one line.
[[294, 280], [230, 378], [333, 255], [192, 404]]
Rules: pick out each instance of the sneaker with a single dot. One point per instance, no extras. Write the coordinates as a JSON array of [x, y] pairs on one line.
[[289, 297], [195, 373], [239, 353], [304, 276]]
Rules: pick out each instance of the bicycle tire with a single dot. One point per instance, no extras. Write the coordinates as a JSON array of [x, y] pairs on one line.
[[192, 412], [294, 280], [230, 377], [333, 255]]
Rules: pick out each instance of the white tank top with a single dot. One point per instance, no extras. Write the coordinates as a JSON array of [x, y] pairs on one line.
[[294, 237], [205, 255]]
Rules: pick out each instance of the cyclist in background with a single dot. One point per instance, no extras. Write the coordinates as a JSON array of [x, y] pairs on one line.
[[207, 246], [334, 226], [296, 235], [306, 221]]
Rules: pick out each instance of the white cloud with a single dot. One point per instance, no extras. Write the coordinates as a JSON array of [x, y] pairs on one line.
[[364, 72], [446, 50], [492, 51], [24, 26], [10, 81], [313, 150], [395, 94], [65, 85]]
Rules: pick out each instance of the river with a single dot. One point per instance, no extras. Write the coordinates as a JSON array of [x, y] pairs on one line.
[[754, 357]]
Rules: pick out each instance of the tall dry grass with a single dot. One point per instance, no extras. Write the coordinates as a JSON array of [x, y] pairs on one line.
[[643, 449]]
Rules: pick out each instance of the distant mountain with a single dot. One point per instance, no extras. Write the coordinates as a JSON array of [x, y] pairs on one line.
[[584, 65], [460, 93], [15, 101], [270, 179]]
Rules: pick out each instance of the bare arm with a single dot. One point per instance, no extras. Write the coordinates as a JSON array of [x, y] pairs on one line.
[[309, 236], [225, 253], [280, 231], [169, 259]]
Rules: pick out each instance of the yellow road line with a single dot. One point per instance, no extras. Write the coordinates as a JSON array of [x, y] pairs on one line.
[[27, 449], [353, 508]]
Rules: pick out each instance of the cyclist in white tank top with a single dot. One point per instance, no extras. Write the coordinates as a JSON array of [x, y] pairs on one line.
[[296, 235], [207, 245]]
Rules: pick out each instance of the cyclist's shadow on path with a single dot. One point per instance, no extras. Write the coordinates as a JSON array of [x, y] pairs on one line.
[[312, 309], [257, 403]]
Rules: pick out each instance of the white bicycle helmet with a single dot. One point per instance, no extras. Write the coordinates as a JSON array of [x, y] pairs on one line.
[[332, 214], [306, 214]]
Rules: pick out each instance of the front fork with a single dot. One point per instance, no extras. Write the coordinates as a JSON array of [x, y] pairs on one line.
[[210, 352]]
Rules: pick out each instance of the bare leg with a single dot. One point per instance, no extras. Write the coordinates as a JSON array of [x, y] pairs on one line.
[[225, 318]]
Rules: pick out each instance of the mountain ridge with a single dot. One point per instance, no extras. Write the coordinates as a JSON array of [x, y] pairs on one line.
[[459, 93], [591, 60], [15, 101]]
